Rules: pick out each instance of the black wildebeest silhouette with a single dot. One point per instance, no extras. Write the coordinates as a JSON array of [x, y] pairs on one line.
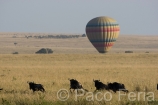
[[74, 84], [100, 86], [36, 87], [117, 87]]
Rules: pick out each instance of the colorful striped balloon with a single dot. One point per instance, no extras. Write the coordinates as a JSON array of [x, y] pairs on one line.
[[102, 33]]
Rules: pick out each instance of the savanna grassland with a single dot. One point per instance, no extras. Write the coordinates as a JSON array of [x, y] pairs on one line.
[[137, 71], [80, 45], [76, 58]]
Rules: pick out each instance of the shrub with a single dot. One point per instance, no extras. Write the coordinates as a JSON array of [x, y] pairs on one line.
[[128, 51], [15, 53], [44, 51]]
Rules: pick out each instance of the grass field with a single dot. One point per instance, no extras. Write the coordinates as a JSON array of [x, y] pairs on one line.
[[135, 43], [138, 71]]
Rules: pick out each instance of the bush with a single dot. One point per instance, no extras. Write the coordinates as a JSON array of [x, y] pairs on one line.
[[128, 51], [44, 51], [15, 53]]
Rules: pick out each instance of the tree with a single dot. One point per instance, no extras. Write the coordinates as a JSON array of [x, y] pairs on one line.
[[15, 43]]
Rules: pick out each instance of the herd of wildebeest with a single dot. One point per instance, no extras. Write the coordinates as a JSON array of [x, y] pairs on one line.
[[75, 85]]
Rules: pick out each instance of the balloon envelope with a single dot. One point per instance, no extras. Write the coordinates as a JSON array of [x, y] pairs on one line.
[[102, 33]]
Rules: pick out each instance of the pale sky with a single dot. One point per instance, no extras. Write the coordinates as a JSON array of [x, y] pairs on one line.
[[136, 17]]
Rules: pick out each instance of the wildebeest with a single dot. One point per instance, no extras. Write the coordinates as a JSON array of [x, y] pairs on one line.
[[100, 86], [157, 86], [36, 87], [116, 87], [74, 84], [1, 88]]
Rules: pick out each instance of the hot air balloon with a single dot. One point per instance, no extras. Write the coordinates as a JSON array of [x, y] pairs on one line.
[[102, 33]]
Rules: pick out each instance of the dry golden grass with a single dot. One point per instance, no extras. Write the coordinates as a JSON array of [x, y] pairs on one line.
[[134, 70], [75, 58]]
